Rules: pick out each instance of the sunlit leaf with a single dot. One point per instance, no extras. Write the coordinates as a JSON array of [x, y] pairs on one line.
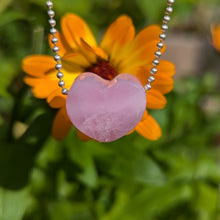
[[13, 204], [10, 16], [4, 4], [137, 167]]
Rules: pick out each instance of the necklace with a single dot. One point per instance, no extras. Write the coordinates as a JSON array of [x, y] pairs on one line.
[[127, 104]]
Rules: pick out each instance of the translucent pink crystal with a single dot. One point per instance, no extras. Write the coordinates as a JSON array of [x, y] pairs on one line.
[[106, 110]]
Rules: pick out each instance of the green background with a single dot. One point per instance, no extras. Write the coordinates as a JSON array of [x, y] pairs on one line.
[[174, 178]]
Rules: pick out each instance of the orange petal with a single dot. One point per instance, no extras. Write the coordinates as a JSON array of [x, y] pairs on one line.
[[139, 56], [139, 52], [56, 99], [215, 31], [120, 33], [74, 28], [163, 83], [143, 118], [166, 67], [100, 53], [155, 99], [42, 88], [150, 33], [38, 65], [62, 44], [142, 74], [146, 51], [149, 128], [88, 52], [92, 53], [74, 62], [146, 42], [82, 136], [61, 125], [69, 78]]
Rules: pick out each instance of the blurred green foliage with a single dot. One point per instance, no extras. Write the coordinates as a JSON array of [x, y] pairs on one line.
[[174, 178]]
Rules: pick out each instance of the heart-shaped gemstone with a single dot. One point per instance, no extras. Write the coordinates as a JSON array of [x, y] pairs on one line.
[[105, 110]]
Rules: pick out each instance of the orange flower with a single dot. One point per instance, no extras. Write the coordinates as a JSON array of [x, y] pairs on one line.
[[215, 31], [120, 51]]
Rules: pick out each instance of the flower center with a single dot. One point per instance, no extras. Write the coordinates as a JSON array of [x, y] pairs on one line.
[[103, 69]]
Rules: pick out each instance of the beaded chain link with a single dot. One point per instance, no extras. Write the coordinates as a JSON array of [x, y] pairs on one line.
[[160, 44], [56, 49], [155, 63]]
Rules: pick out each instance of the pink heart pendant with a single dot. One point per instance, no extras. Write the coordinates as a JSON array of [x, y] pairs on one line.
[[105, 110]]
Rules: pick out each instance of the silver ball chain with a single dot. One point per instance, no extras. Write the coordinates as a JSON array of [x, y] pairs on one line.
[[160, 44], [56, 49], [155, 63]]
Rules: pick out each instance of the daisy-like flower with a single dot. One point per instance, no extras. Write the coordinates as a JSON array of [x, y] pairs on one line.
[[215, 31], [120, 51]]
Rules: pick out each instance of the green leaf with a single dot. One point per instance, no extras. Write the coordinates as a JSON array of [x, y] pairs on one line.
[[206, 201], [50, 153], [15, 164], [6, 74], [78, 6], [18, 157], [10, 16], [13, 204], [151, 9], [137, 167], [147, 203], [67, 210], [80, 154], [4, 4], [38, 130], [207, 168]]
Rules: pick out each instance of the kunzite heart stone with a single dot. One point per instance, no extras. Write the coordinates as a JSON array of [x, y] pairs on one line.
[[105, 110]]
